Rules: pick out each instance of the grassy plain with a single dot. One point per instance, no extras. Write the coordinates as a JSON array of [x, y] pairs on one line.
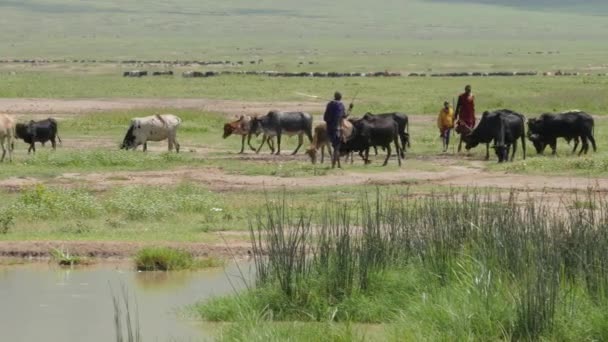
[[454, 285], [416, 35]]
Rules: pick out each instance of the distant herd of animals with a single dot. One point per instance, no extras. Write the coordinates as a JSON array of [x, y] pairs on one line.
[[502, 128]]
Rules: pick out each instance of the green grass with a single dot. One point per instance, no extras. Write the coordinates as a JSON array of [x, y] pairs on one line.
[[529, 95], [163, 259], [461, 266], [65, 258], [170, 259]]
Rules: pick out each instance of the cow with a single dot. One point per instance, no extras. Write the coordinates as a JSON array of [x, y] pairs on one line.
[[152, 128], [403, 124], [277, 123], [163, 73], [135, 73], [503, 127], [242, 127], [38, 131], [7, 134], [381, 131], [320, 141], [570, 125]]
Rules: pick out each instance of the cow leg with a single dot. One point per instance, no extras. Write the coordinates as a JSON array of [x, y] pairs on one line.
[[592, 139], [488, 151], [53, 144], [366, 159], [300, 142], [403, 144], [176, 145], [170, 143], [553, 145], [243, 144], [388, 154], [585, 147], [322, 153], [249, 142], [375, 151], [278, 143], [460, 144], [398, 154], [270, 144], [576, 141], [514, 149], [145, 146], [264, 138], [3, 150]]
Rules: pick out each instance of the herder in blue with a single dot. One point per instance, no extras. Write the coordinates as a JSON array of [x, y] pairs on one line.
[[334, 114]]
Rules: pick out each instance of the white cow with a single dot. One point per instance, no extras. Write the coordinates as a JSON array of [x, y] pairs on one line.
[[7, 134], [152, 128]]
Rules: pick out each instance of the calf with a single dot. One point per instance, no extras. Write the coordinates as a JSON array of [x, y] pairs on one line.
[[369, 133], [152, 128], [38, 131], [7, 134], [320, 141], [277, 123], [403, 127], [572, 125], [503, 127], [241, 127]]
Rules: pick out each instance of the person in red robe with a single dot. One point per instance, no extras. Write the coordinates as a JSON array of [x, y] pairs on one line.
[[465, 114]]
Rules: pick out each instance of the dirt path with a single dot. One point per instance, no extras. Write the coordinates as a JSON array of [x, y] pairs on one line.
[[218, 180], [77, 106]]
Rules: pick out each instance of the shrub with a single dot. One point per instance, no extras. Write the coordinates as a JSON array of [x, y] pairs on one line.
[[163, 259]]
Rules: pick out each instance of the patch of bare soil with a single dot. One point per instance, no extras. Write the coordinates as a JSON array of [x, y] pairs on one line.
[[218, 180], [77, 106], [99, 249]]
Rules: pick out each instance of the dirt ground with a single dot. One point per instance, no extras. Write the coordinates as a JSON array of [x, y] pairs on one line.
[[77, 106], [553, 188]]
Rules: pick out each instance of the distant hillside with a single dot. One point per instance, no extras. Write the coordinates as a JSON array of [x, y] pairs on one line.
[[407, 34], [596, 7]]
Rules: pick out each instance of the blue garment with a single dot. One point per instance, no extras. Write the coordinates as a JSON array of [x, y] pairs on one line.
[[333, 115]]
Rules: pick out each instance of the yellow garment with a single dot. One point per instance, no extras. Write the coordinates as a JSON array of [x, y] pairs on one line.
[[446, 118]]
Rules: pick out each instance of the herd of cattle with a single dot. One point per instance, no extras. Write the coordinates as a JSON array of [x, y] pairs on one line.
[[503, 128]]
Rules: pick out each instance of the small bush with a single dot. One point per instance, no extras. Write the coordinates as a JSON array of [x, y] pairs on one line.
[[7, 221], [163, 259], [64, 258]]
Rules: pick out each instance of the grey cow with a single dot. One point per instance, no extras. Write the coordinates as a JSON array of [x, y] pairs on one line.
[[276, 123]]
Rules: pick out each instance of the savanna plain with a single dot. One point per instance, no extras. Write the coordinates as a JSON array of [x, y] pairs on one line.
[[448, 246]]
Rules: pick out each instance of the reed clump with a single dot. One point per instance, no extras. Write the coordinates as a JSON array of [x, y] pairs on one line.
[[502, 267]]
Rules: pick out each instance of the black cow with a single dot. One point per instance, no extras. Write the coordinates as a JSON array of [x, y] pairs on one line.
[[381, 131], [572, 125], [38, 131], [135, 73], [277, 123], [503, 127], [403, 127]]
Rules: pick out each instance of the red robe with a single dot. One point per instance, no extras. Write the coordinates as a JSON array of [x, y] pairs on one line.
[[466, 103]]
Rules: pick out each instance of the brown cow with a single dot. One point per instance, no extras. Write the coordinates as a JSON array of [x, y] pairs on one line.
[[242, 127], [320, 140], [7, 134]]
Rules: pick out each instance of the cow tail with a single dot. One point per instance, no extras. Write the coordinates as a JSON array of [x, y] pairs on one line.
[[500, 143], [523, 135], [54, 123]]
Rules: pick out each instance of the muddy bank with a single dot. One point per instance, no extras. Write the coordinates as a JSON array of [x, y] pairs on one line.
[[117, 250]]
